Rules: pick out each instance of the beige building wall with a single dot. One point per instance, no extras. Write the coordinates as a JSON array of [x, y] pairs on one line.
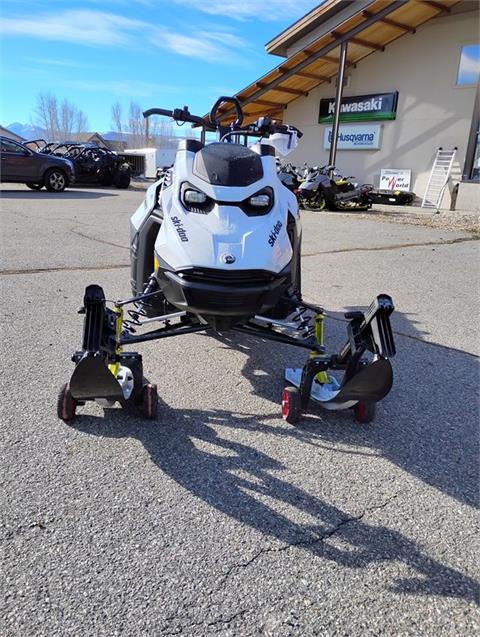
[[432, 111]]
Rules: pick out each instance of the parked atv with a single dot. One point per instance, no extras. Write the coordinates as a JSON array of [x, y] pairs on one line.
[[92, 164]]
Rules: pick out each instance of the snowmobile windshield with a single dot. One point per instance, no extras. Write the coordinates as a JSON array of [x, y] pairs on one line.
[[228, 165]]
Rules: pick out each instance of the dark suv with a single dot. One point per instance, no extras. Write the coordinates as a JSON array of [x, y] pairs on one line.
[[22, 165]]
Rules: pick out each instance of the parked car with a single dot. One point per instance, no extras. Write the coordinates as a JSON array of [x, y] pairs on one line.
[[93, 164], [25, 166]]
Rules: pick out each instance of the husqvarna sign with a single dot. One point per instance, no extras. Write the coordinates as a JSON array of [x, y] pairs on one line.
[[377, 106], [356, 137]]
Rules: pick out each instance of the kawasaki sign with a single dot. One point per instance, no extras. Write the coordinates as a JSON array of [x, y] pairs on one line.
[[360, 108]]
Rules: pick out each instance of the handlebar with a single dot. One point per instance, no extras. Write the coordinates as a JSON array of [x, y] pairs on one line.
[[282, 128], [180, 115], [226, 100], [263, 127], [157, 111]]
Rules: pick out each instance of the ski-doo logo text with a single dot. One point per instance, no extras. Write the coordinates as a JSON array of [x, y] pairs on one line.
[[179, 228], [275, 232]]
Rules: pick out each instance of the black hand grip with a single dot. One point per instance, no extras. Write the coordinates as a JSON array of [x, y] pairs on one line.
[[228, 100], [282, 128], [157, 111], [180, 115]]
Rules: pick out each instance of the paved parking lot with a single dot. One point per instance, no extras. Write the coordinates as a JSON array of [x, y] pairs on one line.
[[220, 518]]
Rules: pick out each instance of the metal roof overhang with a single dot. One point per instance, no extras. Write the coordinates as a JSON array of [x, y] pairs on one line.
[[367, 30]]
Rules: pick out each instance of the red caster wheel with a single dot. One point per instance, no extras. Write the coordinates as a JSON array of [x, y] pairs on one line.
[[364, 412], [291, 405], [66, 404], [150, 401]]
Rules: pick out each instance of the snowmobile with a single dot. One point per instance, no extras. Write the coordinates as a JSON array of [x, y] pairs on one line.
[[215, 247], [290, 175], [324, 188]]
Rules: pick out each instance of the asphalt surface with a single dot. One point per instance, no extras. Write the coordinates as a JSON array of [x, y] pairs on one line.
[[220, 518]]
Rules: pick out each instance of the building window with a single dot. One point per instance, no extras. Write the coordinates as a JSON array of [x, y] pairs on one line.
[[469, 67]]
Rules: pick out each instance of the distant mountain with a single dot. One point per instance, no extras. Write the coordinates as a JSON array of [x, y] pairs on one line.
[[16, 127], [27, 131], [116, 137]]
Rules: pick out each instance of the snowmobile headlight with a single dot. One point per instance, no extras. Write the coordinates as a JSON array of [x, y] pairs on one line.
[[260, 201], [194, 196], [258, 204]]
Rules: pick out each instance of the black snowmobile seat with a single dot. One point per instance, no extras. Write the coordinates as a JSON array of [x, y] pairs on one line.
[[224, 164]]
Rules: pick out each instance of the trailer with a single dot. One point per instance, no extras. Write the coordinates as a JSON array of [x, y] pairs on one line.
[[145, 162]]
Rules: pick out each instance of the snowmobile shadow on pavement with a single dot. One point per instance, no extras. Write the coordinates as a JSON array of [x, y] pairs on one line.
[[189, 447], [423, 428]]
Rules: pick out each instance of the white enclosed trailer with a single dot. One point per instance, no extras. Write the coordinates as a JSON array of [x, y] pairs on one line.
[[145, 161]]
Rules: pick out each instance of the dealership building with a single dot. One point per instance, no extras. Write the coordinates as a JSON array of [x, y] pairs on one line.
[[410, 87]]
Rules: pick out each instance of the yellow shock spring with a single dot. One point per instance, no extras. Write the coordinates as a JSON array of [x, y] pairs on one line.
[[114, 367], [318, 328]]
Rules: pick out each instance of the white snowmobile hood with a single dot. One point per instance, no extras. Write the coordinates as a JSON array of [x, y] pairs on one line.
[[226, 237]]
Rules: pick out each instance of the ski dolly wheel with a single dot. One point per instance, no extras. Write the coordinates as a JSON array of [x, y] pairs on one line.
[[66, 405], [150, 401], [291, 405], [364, 412]]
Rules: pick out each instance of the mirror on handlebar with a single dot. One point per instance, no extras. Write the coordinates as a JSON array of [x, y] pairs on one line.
[[226, 100]]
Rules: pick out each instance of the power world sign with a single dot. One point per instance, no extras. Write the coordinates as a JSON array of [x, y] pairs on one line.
[[361, 108]]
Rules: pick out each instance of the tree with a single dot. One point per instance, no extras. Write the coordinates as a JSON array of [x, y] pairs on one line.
[[60, 121], [117, 117], [160, 130], [136, 125], [46, 114]]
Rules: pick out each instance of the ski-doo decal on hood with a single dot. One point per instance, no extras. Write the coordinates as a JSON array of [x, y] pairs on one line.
[[179, 228], [275, 232]]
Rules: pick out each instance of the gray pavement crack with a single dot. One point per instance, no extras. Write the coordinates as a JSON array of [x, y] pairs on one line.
[[75, 268], [228, 620], [395, 246], [303, 543], [98, 240], [179, 629]]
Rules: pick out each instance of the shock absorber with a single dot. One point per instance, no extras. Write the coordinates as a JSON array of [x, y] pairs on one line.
[[300, 316], [151, 286], [303, 321]]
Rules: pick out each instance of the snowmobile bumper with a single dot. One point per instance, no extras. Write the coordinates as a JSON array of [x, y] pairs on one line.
[[224, 293]]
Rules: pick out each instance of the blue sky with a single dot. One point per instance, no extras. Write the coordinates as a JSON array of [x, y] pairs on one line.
[[164, 53]]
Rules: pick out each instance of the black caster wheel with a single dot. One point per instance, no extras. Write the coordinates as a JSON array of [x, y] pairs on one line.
[[291, 405], [364, 412], [66, 404], [150, 401]]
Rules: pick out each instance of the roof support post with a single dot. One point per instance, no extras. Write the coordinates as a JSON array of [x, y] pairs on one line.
[[338, 102], [321, 53]]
